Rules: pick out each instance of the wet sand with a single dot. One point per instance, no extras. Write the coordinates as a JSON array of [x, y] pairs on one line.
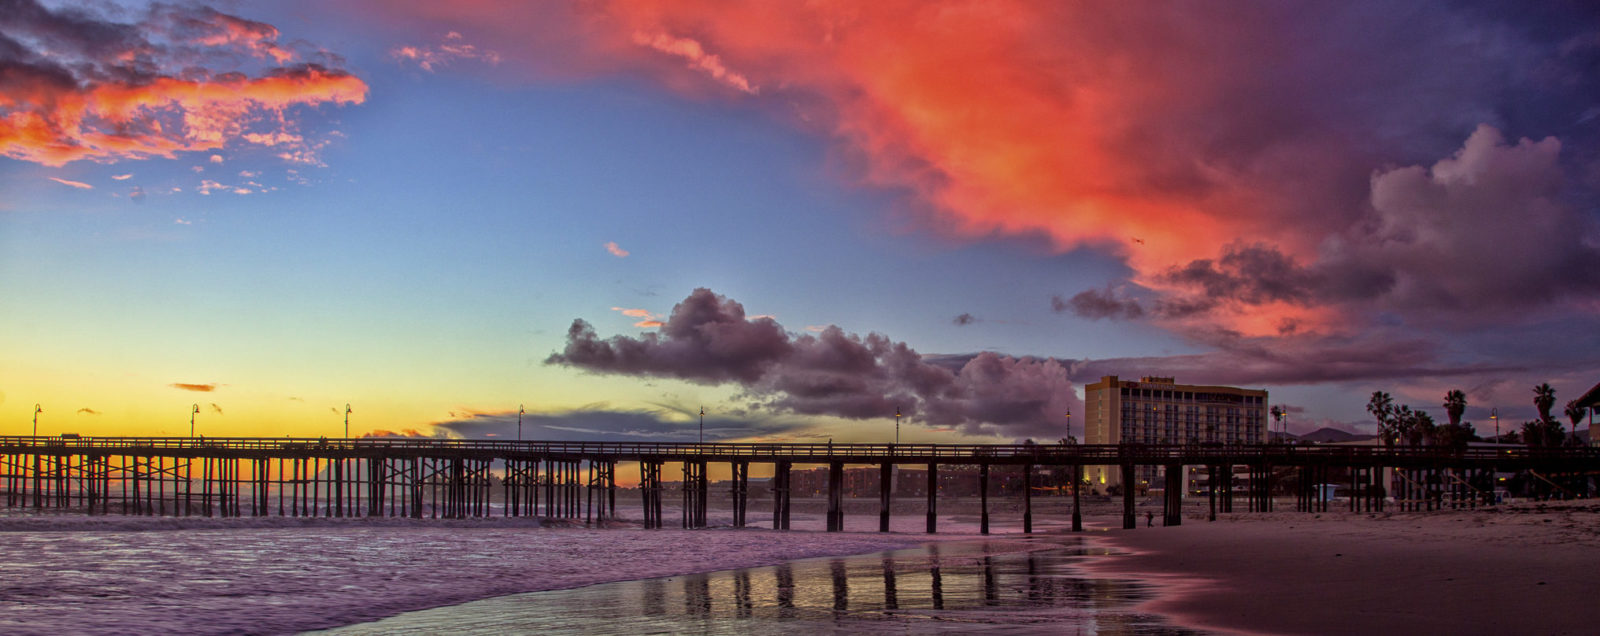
[[1517, 569]]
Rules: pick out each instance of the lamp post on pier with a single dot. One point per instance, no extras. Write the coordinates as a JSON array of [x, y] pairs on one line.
[[347, 420], [1070, 438], [897, 426], [36, 412], [702, 425], [1494, 414], [193, 411], [520, 410]]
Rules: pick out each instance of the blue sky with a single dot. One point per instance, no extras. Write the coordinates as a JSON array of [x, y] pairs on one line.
[[419, 248]]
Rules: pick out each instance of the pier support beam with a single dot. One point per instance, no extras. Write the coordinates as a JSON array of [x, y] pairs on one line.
[[1129, 484], [885, 493], [835, 496], [1077, 484], [1027, 498], [780, 496], [983, 499], [741, 491], [1173, 514], [933, 498]]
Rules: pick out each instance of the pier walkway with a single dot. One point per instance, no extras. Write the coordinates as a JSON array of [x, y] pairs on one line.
[[418, 477]]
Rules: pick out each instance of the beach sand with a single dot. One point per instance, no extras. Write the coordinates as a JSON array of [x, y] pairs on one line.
[[1513, 569]]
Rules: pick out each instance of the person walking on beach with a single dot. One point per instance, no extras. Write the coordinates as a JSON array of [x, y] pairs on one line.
[[1149, 519]]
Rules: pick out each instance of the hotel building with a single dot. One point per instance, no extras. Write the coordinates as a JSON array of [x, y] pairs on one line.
[[1157, 410]]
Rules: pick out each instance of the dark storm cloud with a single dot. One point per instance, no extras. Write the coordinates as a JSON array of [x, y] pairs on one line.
[[708, 340], [1095, 304], [964, 320]]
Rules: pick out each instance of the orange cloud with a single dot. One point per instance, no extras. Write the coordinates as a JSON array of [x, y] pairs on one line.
[[122, 177], [633, 313], [1083, 124], [76, 184], [148, 94], [202, 388], [87, 411], [649, 324], [617, 251]]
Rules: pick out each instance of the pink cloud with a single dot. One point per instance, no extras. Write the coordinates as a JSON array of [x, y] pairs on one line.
[[453, 48], [75, 184], [611, 246], [155, 90]]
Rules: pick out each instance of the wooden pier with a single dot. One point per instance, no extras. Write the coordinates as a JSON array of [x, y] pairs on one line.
[[455, 479]]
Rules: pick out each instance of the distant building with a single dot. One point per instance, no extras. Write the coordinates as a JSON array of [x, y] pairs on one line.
[[1157, 410]]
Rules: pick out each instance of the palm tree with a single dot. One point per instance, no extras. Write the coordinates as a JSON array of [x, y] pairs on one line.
[[1404, 424], [1277, 416], [1381, 406], [1574, 414], [1544, 397], [1455, 404]]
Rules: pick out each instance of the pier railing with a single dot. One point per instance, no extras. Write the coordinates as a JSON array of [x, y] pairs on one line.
[[824, 452]]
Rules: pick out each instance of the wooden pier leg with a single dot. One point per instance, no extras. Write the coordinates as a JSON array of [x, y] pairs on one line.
[[1179, 491], [1211, 491], [885, 476], [780, 495], [1128, 486], [983, 499], [835, 495], [1027, 498], [933, 498], [740, 473], [1077, 484]]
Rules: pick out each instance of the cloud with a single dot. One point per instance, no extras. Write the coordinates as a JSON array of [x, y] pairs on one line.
[[87, 411], [77, 85], [1427, 252], [708, 339], [122, 177], [405, 432], [75, 184], [964, 320], [647, 320], [609, 425], [611, 246], [1095, 304], [202, 388], [181, 221], [453, 48], [695, 54], [1196, 145]]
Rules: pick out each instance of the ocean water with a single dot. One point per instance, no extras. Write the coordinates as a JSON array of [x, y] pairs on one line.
[[73, 574], [953, 587]]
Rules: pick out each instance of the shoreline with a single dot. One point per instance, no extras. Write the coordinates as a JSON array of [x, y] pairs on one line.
[[1524, 568]]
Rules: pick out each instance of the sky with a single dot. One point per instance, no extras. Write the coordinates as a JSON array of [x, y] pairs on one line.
[[800, 218]]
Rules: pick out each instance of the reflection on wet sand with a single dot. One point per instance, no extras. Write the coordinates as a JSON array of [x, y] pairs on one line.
[[958, 587]]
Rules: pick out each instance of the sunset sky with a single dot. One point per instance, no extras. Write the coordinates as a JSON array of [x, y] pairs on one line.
[[800, 216]]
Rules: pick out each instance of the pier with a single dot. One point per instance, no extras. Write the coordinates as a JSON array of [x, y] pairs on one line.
[[457, 479]]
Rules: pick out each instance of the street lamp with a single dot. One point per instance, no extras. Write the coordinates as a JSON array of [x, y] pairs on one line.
[[897, 425], [1069, 428], [193, 410], [347, 421], [702, 425], [36, 412], [1494, 414], [520, 411]]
